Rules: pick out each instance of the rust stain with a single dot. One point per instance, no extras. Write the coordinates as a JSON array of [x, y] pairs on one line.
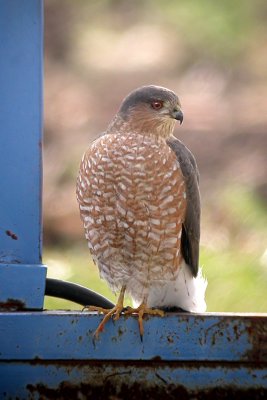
[[257, 332], [11, 234], [170, 339], [110, 390], [156, 358], [12, 305], [128, 380]]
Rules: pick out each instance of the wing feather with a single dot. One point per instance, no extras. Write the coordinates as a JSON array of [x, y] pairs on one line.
[[191, 226]]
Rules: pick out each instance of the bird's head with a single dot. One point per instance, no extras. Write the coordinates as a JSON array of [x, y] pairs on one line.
[[151, 109]]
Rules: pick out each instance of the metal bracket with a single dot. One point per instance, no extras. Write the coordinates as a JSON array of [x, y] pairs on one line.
[[22, 287]]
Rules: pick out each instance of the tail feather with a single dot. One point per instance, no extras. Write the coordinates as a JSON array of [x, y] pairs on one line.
[[185, 292]]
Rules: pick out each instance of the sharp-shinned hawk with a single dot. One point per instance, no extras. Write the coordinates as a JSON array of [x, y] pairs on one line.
[[138, 194]]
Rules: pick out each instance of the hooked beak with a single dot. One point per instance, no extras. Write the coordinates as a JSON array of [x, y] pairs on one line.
[[177, 114]]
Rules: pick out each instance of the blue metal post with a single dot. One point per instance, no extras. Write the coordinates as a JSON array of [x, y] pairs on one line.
[[22, 275]]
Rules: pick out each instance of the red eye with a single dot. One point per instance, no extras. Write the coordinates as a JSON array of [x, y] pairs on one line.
[[157, 105]]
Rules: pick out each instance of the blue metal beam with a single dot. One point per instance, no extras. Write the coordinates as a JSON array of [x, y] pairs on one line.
[[68, 335], [105, 380], [21, 66], [53, 354]]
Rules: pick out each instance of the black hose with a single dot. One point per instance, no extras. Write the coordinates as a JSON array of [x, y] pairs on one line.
[[76, 293]]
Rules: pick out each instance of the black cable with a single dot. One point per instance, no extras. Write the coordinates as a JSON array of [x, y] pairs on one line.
[[76, 293]]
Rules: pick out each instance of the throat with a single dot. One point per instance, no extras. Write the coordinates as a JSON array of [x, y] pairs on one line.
[[161, 128]]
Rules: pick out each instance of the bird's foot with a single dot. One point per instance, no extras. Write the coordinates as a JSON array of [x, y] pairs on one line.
[[116, 311], [141, 310]]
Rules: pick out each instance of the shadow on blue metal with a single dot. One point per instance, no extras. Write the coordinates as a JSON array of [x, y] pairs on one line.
[[53, 355]]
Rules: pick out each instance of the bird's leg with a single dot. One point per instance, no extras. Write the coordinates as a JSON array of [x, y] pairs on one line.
[[116, 310], [141, 310]]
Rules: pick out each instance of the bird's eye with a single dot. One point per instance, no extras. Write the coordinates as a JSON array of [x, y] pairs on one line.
[[157, 104]]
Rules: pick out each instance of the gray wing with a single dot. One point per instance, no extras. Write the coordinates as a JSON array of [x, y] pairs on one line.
[[191, 226]]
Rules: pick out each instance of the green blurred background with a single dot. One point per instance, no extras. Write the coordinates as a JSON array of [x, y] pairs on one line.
[[214, 56]]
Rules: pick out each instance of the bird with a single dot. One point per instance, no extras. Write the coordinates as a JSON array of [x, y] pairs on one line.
[[139, 201]]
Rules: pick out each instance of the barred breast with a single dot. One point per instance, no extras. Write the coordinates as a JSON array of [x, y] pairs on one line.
[[132, 199]]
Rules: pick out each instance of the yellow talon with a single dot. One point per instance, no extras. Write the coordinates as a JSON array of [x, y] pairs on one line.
[[116, 311], [141, 310], [118, 308]]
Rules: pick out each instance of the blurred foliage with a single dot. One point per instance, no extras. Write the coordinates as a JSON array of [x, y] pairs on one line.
[[215, 30], [212, 52], [237, 281], [219, 29], [247, 207]]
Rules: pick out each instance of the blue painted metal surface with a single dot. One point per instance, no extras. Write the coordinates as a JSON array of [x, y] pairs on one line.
[[176, 337], [132, 381], [22, 287], [53, 353], [21, 66]]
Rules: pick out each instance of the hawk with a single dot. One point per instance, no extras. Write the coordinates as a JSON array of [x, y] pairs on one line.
[[138, 194]]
